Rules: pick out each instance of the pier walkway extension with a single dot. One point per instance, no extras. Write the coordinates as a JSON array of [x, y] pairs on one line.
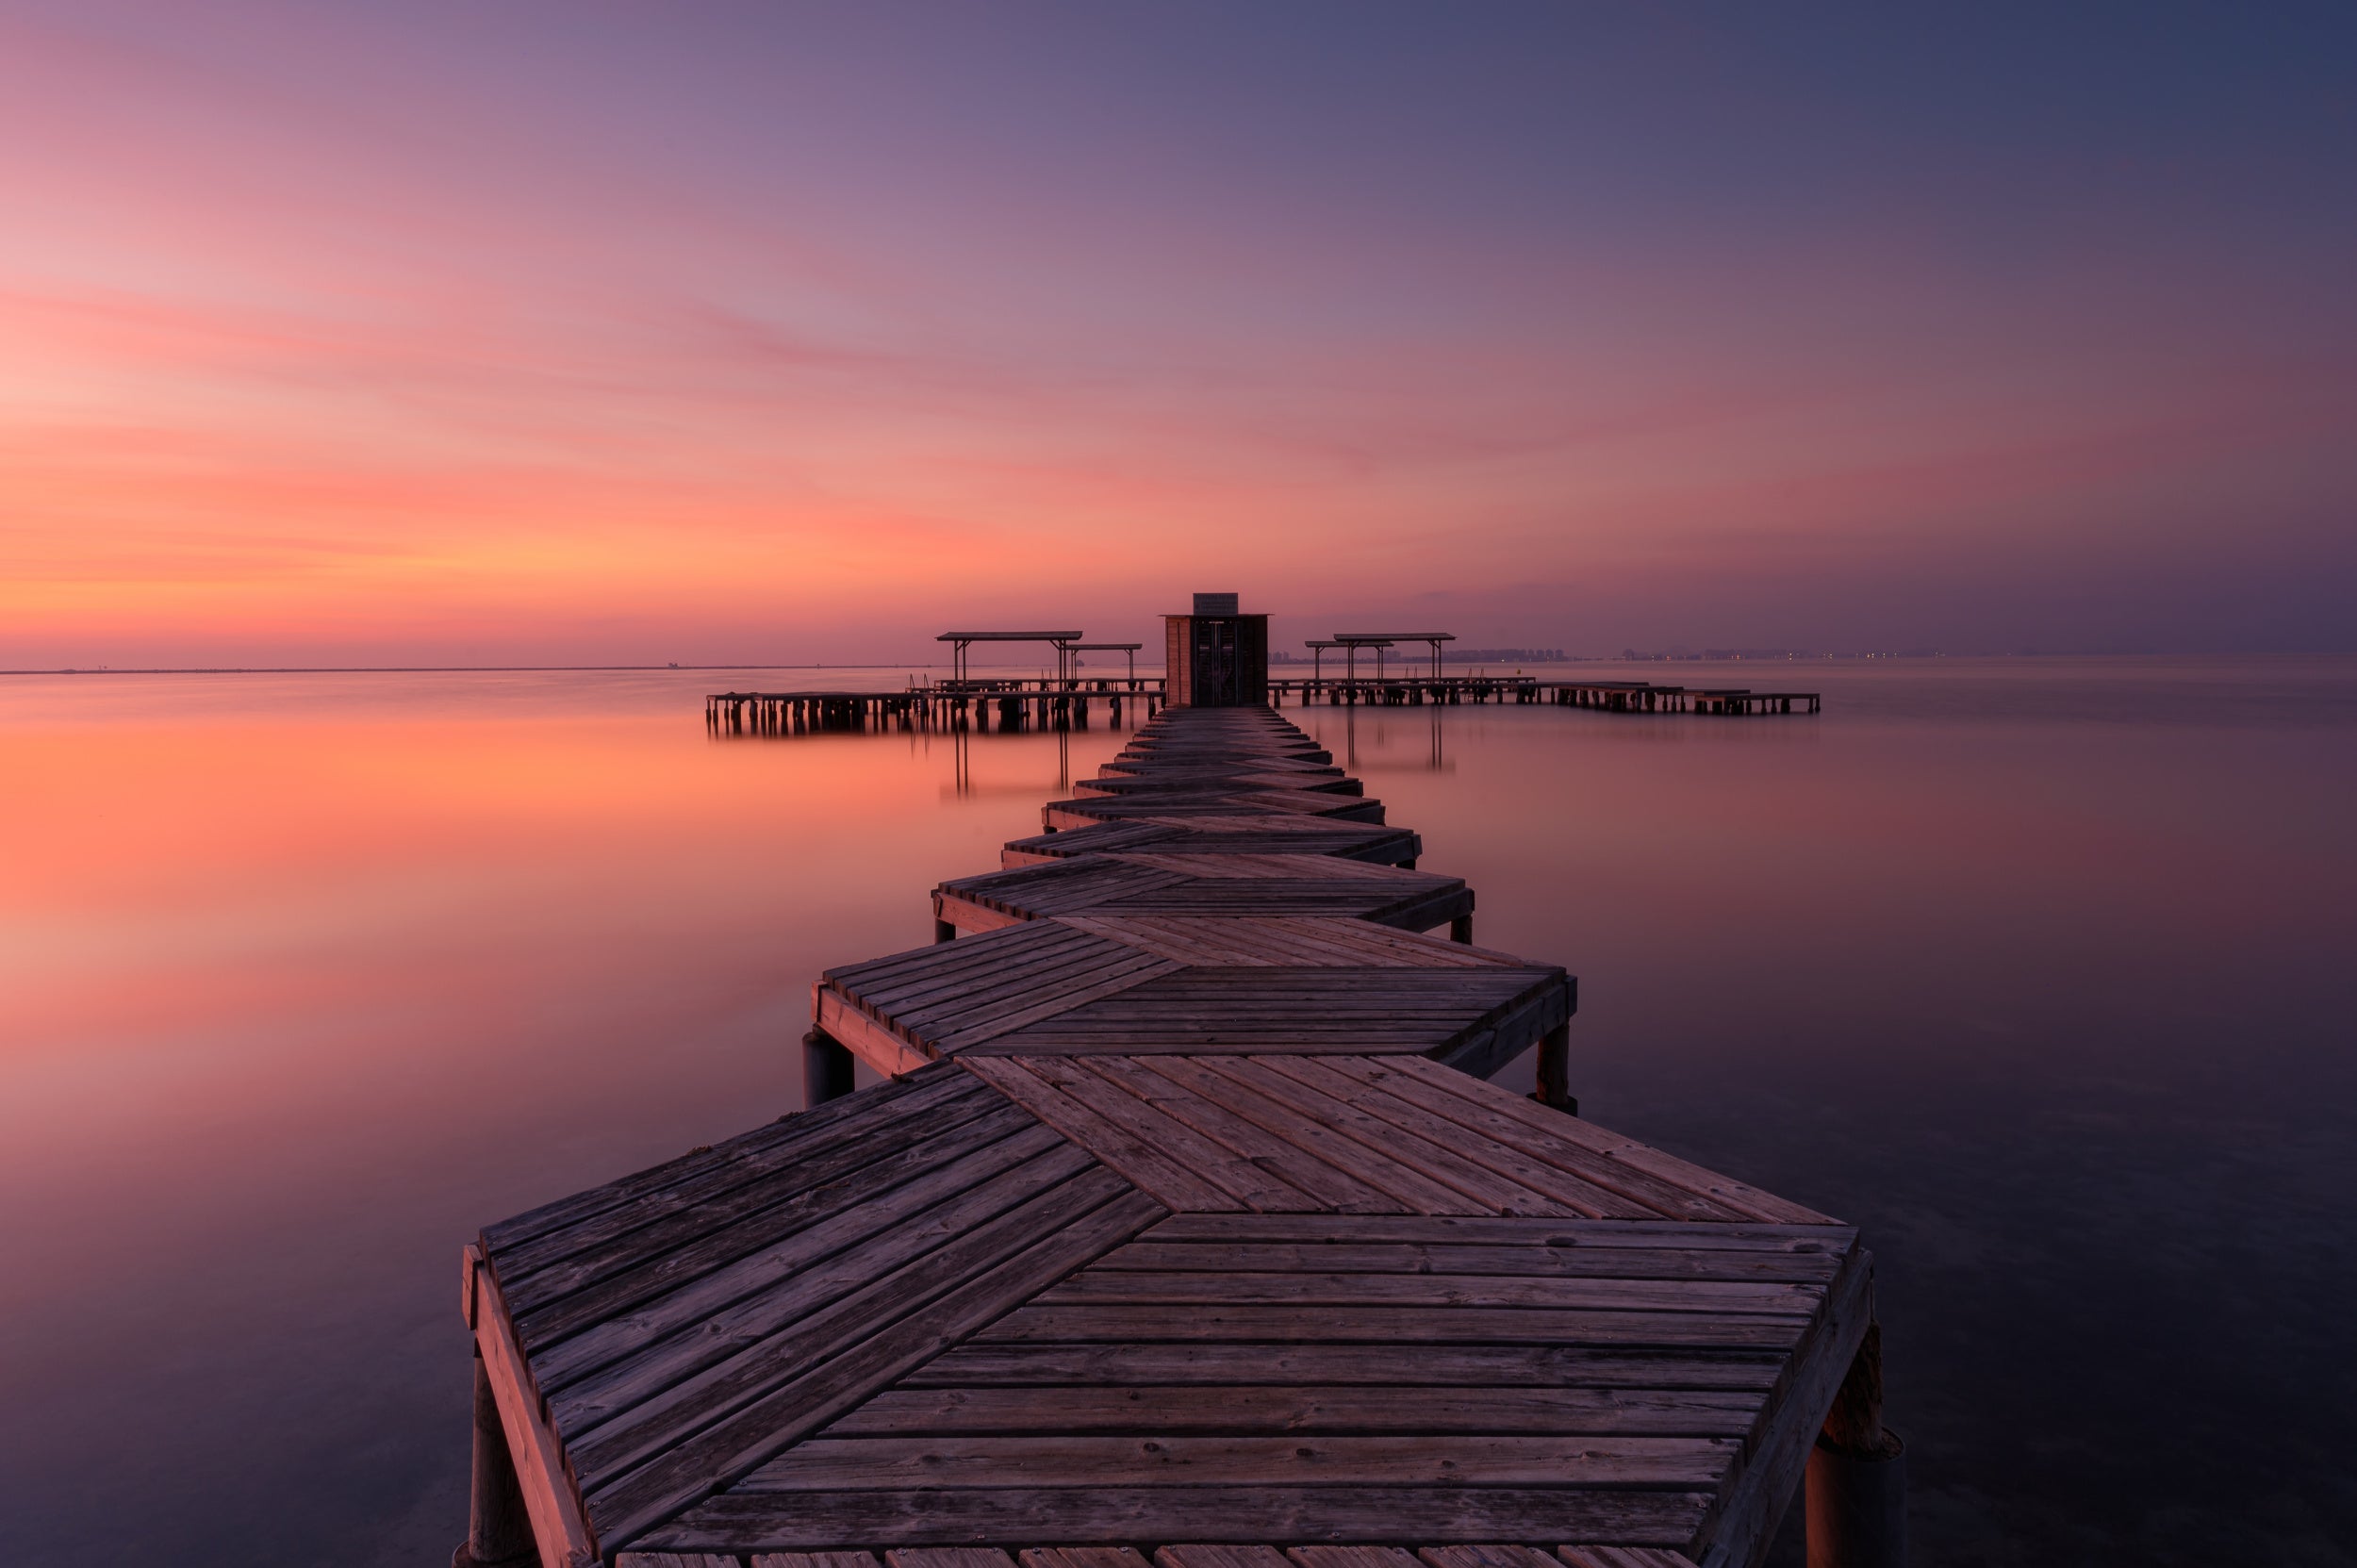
[[1186, 1230]]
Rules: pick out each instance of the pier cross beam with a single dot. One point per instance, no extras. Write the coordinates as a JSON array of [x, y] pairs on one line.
[[1380, 640], [1129, 648], [1061, 641], [1350, 645]]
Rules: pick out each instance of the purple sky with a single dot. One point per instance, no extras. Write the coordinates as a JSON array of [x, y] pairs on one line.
[[447, 333]]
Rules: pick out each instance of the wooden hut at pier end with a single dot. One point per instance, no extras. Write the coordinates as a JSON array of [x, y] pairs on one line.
[[1215, 657]]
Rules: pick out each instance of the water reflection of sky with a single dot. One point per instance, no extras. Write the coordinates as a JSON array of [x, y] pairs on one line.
[[2039, 971]]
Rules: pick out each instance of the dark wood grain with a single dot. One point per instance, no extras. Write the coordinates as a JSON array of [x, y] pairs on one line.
[[825, 1464], [1087, 1515], [1423, 1408], [1281, 1360], [697, 1459]]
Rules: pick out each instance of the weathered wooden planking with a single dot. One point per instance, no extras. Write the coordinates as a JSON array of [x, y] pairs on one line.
[[1352, 1557], [1397, 1326], [1216, 762], [930, 999], [556, 1230], [1744, 1511], [1034, 892], [713, 1456], [955, 1185], [679, 1244], [1113, 1097], [572, 1210], [1230, 1287], [1205, 1555], [1212, 835], [1815, 1265], [1505, 1127], [832, 1464], [936, 1003], [1272, 1091], [1293, 942], [1481, 1016], [1193, 1153], [1081, 1557], [1746, 1237], [1283, 1362], [1349, 1409], [808, 1311], [1310, 1142], [1745, 1200], [1243, 1514], [1279, 866], [1500, 1183], [926, 973], [637, 1423], [1486, 1555], [1204, 885], [812, 1338], [1174, 1184], [1088, 810], [1050, 987], [1173, 1085], [682, 1246], [552, 1502], [1622, 1556], [1165, 778]]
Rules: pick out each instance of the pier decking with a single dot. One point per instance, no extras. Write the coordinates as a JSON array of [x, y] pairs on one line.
[[1208, 800], [1186, 1230], [1185, 885], [1241, 835]]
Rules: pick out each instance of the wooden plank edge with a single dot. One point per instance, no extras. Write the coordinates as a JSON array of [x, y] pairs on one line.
[[1741, 1523], [971, 917], [862, 1035], [560, 1524]]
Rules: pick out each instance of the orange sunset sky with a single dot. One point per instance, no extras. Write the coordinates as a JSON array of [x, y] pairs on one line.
[[452, 334]]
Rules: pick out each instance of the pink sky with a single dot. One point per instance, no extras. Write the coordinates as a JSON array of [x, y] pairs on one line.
[[350, 336]]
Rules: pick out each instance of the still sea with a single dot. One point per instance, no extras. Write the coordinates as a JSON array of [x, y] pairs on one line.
[[2043, 971]]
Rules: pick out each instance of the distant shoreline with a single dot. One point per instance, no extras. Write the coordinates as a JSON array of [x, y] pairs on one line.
[[456, 668], [1276, 665]]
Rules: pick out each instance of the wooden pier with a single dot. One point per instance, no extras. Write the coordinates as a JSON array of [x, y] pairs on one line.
[[1185, 1230], [1066, 702], [1603, 696]]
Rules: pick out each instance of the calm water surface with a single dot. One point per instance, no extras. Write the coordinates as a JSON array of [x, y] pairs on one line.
[[2040, 970]]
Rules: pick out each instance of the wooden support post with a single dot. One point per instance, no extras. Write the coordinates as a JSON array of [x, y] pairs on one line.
[[1555, 1069], [1857, 1480], [826, 1069], [498, 1530], [945, 931], [1460, 929]]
